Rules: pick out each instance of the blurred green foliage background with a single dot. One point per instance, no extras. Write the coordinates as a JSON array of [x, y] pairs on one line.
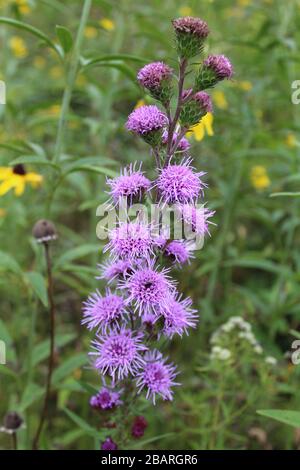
[[249, 267]]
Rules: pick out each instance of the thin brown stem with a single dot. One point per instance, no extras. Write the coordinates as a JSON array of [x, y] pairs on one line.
[[14, 441], [51, 354]]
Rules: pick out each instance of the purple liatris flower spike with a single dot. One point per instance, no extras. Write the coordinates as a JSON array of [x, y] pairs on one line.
[[178, 317], [156, 78], [179, 251], [146, 308], [103, 311], [190, 36], [130, 240], [157, 377], [109, 444], [148, 289], [196, 107], [114, 270], [132, 185], [179, 183], [119, 353], [105, 399], [214, 69]]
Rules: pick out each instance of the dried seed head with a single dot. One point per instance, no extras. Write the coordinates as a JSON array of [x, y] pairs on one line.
[[12, 421], [44, 231]]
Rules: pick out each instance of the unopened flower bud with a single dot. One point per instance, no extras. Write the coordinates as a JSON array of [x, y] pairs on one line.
[[195, 109], [190, 36], [139, 426], [156, 78], [109, 444], [44, 231], [214, 69]]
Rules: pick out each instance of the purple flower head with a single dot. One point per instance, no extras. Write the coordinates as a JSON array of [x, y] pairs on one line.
[[157, 377], [139, 426], [114, 270], [148, 289], [103, 311], [118, 353], [132, 184], [204, 101], [179, 316], [179, 183], [178, 251], [152, 75], [130, 240], [183, 145], [146, 119], [109, 444], [190, 25], [105, 399], [196, 217], [220, 65]]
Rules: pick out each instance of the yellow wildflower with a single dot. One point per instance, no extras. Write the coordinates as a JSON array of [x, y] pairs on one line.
[[140, 103], [245, 85], [291, 140], [220, 99], [185, 11], [243, 3], [2, 212], [16, 178], [54, 110], [203, 126], [18, 47], [259, 177], [107, 24], [39, 62], [80, 80], [56, 72], [23, 6], [90, 32]]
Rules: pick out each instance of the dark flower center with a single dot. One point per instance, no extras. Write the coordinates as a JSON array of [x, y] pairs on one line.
[[19, 170]]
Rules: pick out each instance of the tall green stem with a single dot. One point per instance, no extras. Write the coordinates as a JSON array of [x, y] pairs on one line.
[[71, 77]]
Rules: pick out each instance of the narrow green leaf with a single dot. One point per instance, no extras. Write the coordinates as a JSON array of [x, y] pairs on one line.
[[68, 366], [8, 263], [30, 29], [81, 423], [34, 160], [65, 38], [93, 169], [38, 284], [41, 351], [283, 416], [31, 393], [75, 253]]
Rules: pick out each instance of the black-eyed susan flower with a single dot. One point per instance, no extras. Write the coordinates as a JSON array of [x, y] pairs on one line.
[[203, 127], [16, 178]]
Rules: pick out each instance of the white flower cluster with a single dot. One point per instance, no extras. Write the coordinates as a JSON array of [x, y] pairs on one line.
[[222, 354], [244, 333]]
